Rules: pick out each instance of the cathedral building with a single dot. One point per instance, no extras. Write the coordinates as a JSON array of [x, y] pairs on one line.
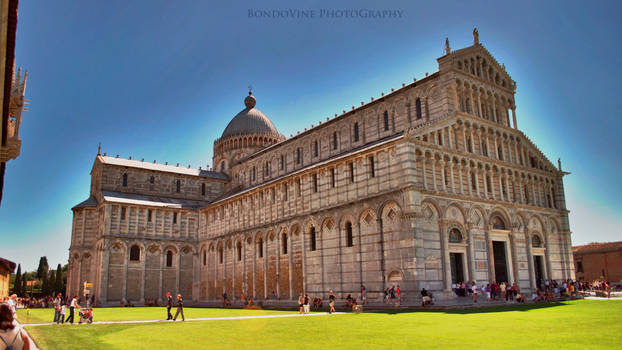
[[426, 186]]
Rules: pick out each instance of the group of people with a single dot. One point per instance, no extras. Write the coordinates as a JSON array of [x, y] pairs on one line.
[[493, 291], [169, 306], [393, 295], [61, 305]]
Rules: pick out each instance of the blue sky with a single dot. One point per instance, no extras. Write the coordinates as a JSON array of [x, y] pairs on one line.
[[161, 79]]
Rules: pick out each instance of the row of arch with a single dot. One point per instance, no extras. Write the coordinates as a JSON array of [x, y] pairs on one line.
[[483, 103], [440, 171], [478, 66], [473, 137]]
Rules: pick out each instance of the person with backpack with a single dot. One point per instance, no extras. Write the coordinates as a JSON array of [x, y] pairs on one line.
[[11, 336]]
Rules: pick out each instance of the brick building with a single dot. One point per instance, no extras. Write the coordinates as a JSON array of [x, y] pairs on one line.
[[427, 185], [598, 261], [6, 269]]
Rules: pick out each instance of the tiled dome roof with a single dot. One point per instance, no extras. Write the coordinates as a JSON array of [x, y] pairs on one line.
[[249, 121]]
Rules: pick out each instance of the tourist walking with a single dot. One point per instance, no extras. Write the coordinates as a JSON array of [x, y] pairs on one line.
[[474, 290], [11, 336], [363, 294], [331, 302], [180, 308], [307, 305], [57, 306], [72, 308], [169, 305], [301, 301]]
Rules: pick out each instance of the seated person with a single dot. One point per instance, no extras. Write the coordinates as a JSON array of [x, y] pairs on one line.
[[426, 297]]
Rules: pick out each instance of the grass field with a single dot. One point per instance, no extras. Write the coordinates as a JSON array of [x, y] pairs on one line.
[[139, 313], [582, 324]]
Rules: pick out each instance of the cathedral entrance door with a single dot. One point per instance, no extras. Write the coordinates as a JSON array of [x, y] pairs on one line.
[[457, 267], [538, 268], [500, 261]]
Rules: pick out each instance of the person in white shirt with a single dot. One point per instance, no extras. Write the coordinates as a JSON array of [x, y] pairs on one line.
[[474, 289], [72, 307], [13, 304]]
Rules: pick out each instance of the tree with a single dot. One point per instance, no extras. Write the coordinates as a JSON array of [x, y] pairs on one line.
[[52, 283], [23, 288], [42, 270], [17, 285], [58, 282]]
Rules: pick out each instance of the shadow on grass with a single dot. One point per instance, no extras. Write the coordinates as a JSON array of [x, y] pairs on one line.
[[477, 310]]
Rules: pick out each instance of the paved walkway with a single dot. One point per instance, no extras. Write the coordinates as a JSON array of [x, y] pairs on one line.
[[193, 319]]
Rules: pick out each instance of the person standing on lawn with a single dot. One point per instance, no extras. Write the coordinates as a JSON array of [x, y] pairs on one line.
[[331, 302], [301, 301], [169, 305], [57, 306], [474, 290], [180, 308]]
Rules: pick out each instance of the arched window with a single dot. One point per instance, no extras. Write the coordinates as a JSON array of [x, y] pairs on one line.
[[221, 255], [298, 156], [124, 180], [335, 140], [151, 179], [135, 253], [169, 258], [536, 242], [312, 242], [204, 257], [386, 121], [316, 148], [239, 249], [260, 247], [498, 223], [418, 108], [178, 186], [473, 181], [284, 242], [356, 132], [455, 236], [203, 189], [349, 237], [500, 152]]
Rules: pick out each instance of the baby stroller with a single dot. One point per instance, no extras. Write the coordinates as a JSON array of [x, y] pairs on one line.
[[86, 316]]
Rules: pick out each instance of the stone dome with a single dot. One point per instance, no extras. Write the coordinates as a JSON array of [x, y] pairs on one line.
[[249, 121]]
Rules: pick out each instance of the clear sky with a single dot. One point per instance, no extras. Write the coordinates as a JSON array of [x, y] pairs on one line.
[[161, 80]]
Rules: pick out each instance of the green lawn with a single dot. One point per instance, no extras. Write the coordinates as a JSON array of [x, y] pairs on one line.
[[138, 313], [566, 325]]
